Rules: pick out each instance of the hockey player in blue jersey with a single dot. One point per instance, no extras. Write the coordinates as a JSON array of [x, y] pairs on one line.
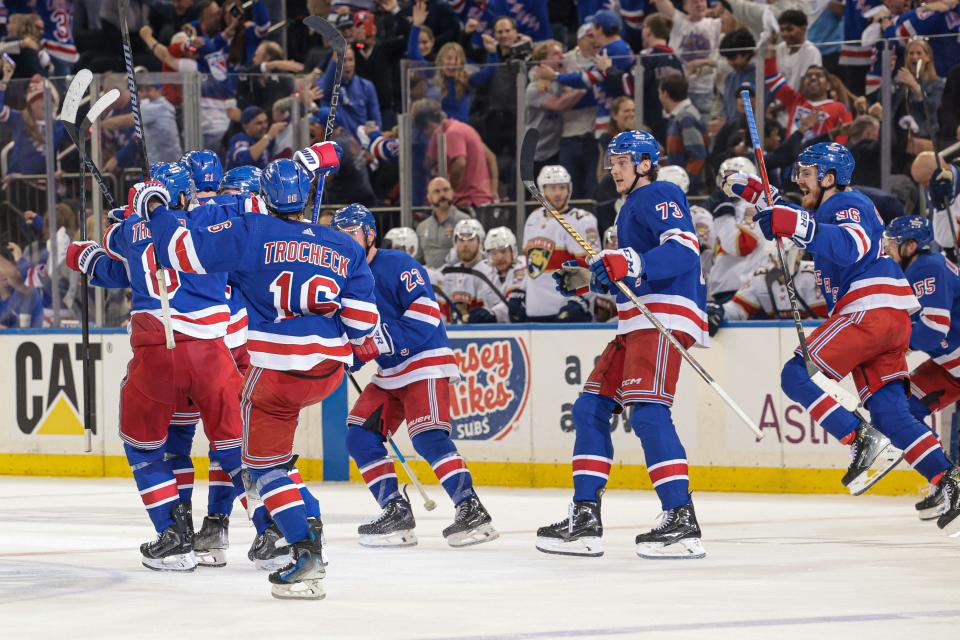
[[416, 366], [311, 307], [936, 328], [868, 332], [207, 171], [159, 380], [659, 258]]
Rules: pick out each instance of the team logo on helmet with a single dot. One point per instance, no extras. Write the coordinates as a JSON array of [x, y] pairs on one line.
[[493, 392]]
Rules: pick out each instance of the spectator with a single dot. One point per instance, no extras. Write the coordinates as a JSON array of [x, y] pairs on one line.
[[20, 303], [623, 117], [685, 132], [392, 25], [248, 35], [56, 24], [732, 139], [546, 101], [864, 144], [377, 61], [441, 20], [795, 54], [812, 96], [452, 84], [909, 106], [471, 166], [695, 38], [30, 60], [358, 97], [167, 19], [346, 25], [352, 182], [255, 144], [180, 57], [210, 20], [159, 123], [826, 32], [578, 144], [737, 48], [259, 84], [421, 42], [436, 232]]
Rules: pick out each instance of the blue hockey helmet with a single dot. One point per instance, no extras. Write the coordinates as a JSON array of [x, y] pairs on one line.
[[827, 157], [915, 228], [245, 179], [175, 178], [354, 215], [639, 144], [204, 165], [285, 185]]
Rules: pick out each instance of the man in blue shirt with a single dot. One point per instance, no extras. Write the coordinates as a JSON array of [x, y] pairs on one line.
[[254, 145]]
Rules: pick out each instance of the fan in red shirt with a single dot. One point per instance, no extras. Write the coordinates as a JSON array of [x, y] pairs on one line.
[[812, 96]]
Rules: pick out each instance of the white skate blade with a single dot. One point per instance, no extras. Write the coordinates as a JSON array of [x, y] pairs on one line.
[[180, 562], [402, 538], [211, 557], [273, 564], [304, 590], [884, 463], [931, 513], [591, 547], [953, 528], [686, 549], [477, 535]]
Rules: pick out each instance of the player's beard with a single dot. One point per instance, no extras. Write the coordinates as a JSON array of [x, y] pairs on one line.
[[810, 200]]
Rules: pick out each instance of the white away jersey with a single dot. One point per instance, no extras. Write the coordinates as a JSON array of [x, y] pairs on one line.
[[547, 246]]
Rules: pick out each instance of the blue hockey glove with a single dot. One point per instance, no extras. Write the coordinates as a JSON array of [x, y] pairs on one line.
[[942, 190]]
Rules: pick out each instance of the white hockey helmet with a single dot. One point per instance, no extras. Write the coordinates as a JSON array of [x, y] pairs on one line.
[[676, 175], [734, 165], [404, 238], [500, 238], [610, 236], [553, 174], [469, 228]]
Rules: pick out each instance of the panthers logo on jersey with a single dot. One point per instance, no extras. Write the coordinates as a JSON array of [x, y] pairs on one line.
[[538, 252]]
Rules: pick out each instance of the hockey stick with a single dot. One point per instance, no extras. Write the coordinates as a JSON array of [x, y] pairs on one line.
[[428, 504], [846, 399], [78, 135], [453, 308], [71, 104], [330, 34], [124, 6], [473, 272], [528, 149]]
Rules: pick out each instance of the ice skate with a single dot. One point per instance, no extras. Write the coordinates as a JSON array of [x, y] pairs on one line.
[[210, 544], [173, 548], [676, 536], [471, 525], [949, 519], [871, 458], [392, 528], [579, 535], [316, 525], [930, 507], [301, 579], [269, 550]]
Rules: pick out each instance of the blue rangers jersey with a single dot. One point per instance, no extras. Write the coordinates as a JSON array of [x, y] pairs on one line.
[[850, 266], [411, 318], [593, 78], [936, 328], [198, 306], [308, 288], [655, 222]]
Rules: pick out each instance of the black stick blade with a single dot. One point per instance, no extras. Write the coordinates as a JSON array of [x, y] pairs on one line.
[[327, 31], [528, 151]]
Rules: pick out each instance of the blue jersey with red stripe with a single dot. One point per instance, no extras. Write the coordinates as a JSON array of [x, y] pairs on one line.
[[308, 288], [655, 222], [850, 266], [593, 78], [57, 17], [936, 328], [411, 323]]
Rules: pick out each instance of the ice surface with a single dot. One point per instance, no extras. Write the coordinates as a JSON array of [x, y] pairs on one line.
[[777, 567]]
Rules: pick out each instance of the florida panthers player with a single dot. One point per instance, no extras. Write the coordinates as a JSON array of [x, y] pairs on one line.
[[547, 246], [473, 299], [158, 379], [868, 332], [416, 366], [936, 328], [311, 308], [509, 274], [659, 259]]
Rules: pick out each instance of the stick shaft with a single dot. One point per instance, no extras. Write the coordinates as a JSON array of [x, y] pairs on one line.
[[86, 370], [328, 131]]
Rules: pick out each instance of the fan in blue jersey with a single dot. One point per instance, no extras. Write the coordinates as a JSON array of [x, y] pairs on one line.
[[412, 384], [164, 392], [868, 332], [311, 307], [936, 328], [659, 259]]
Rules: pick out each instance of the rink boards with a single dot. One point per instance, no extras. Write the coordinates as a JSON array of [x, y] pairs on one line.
[[511, 413]]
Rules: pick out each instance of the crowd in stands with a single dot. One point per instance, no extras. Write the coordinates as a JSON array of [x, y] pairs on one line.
[[465, 60]]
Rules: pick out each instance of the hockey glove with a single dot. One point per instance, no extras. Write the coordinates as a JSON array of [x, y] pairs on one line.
[[481, 315], [144, 195], [613, 265], [363, 352], [714, 317], [786, 222], [577, 310], [748, 187], [320, 158], [82, 256], [572, 279], [118, 215], [942, 191], [516, 309]]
